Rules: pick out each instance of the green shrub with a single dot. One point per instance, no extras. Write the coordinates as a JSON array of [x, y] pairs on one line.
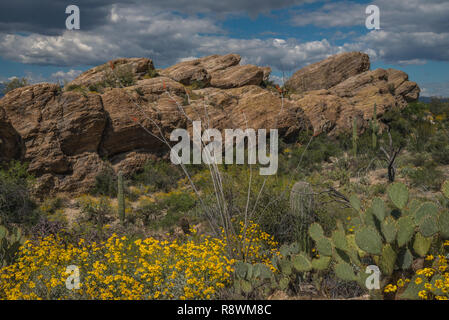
[[16, 204], [106, 183], [96, 211], [427, 176], [159, 174], [14, 84]]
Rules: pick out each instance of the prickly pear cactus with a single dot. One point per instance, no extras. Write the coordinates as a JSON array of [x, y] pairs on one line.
[[390, 239], [10, 243]]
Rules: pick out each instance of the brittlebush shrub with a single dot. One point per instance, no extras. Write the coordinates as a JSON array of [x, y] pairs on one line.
[[121, 268], [16, 203]]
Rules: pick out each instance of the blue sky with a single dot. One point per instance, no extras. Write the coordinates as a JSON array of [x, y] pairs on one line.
[[284, 34]]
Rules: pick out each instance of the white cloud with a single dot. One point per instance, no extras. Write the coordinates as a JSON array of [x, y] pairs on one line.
[[165, 37], [407, 47], [336, 14], [435, 89], [66, 75]]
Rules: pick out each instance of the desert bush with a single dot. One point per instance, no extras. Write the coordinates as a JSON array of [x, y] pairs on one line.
[[121, 76], [165, 210], [106, 183], [14, 84], [97, 211], [427, 177], [159, 174], [16, 203]]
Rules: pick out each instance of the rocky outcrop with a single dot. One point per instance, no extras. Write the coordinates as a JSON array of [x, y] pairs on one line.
[[66, 135], [10, 142], [217, 71], [332, 111], [137, 67], [327, 73], [237, 76]]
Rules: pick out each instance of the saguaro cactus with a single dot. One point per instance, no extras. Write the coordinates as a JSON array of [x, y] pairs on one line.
[[302, 207], [121, 198]]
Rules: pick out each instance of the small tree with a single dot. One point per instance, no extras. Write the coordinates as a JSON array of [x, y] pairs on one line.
[[14, 84]]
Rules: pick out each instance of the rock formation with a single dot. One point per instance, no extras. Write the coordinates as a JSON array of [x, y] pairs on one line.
[[65, 135]]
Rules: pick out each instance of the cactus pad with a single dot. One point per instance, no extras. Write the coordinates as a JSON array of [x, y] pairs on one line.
[[398, 194], [406, 228], [369, 240], [344, 271]]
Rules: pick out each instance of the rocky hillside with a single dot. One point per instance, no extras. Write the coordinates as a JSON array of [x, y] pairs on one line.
[[65, 134]]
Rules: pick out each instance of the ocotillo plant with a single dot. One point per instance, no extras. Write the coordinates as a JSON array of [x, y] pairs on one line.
[[354, 137], [121, 198], [374, 127]]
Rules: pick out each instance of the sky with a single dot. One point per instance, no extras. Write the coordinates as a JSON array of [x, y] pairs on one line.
[[283, 34]]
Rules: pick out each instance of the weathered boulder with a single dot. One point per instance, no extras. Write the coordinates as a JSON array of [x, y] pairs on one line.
[[138, 67], [199, 70], [136, 114], [247, 107], [328, 73], [331, 111], [187, 73], [237, 76], [216, 71], [81, 122], [10, 141], [34, 115]]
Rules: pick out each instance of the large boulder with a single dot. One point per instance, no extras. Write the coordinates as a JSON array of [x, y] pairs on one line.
[[247, 107], [137, 67], [199, 70], [332, 111], [34, 114], [216, 71], [10, 141], [138, 113], [328, 73], [237, 76]]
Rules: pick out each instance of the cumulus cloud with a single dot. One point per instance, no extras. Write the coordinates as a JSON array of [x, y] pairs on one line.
[[412, 31], [395, 15], [165, 37], [408, 47], [66, 75], [335, 14], [435, 89], [169, 31], [48, 16]]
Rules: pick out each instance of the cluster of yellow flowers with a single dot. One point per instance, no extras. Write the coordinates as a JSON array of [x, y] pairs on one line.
[[120, 268], [253, 244], [433, 279]]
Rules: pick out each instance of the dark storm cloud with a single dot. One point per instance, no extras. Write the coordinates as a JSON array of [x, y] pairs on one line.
[[48, 16]]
